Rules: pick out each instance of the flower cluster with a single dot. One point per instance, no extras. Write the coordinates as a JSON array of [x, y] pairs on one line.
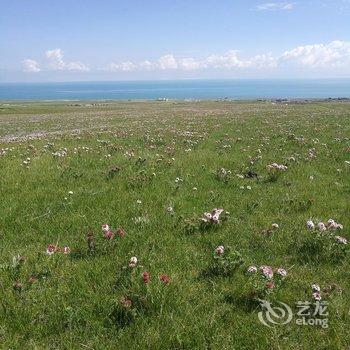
[[321, 226], [274, 167], [51, 249], [267, 279], [108, 234], [213, 217]]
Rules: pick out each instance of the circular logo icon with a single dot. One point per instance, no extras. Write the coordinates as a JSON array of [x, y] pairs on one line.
[[274, 315]]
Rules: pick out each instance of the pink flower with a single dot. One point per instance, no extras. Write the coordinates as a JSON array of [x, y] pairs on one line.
[[164, 278], [219, 250], [269, 285], [108, 234], [50, 249], [266, 271], [145, 277], [317, 296]]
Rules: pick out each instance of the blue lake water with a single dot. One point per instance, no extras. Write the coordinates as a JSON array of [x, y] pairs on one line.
[[180, 89]]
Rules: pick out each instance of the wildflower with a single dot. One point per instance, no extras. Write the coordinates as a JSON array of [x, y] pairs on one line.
[[133, 261], [17, 286], [316, 296], [252, 269], [105, 227], [219, 250], [315, 287], [108, 234], [310, 225], [216, 215], [164, 278], [282, 272], [321, 226], [50, 249], [145, 277], [70, 192], [341, 240], [139, 201], [266, 271], [274, 225], [120, 232], [66, 250], [269, 285], [170, 209], [32, 279], [126, 302]]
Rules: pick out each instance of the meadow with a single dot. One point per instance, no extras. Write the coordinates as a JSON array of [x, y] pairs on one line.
[[163, 225]]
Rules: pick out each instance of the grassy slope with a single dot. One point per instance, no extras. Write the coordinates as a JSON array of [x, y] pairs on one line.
[[73, 307]]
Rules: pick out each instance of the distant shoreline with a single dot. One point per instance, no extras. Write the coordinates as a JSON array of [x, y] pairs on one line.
[[78, 102]]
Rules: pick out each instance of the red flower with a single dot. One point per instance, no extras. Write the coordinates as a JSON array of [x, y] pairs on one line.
[[269, 285], [120, 232], [145, 277], [108, 235], [164, 278]]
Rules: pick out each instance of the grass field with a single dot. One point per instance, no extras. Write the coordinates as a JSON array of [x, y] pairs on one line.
[[150, 170]]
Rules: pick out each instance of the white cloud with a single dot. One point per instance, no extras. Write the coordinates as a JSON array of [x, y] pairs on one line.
[[270, 6], [56, 62], [167, 62], [333, 54], [124, 67], [229, 60], [330, 56], [30, 66]]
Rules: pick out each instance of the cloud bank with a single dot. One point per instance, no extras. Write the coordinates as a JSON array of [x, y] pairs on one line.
[[335, 54], [317, 57], [53, 61]]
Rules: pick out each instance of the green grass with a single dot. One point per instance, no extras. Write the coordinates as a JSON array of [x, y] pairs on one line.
[[75, 301]]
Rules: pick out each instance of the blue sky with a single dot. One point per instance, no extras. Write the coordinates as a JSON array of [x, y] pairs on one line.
[[161, 39]]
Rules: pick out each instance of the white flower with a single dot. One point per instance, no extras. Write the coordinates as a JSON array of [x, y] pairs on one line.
[[170, 209], [341, 240], [274, 225], [219, 250], [252, 269], [66, 250], [321, 226], [315, 287], [70, 192], [331, 223], [105, 228], [133, 261], [282, 272], [310, 225], [139, 201]]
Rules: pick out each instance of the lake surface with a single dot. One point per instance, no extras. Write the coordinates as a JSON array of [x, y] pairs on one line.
[[180, 89]]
